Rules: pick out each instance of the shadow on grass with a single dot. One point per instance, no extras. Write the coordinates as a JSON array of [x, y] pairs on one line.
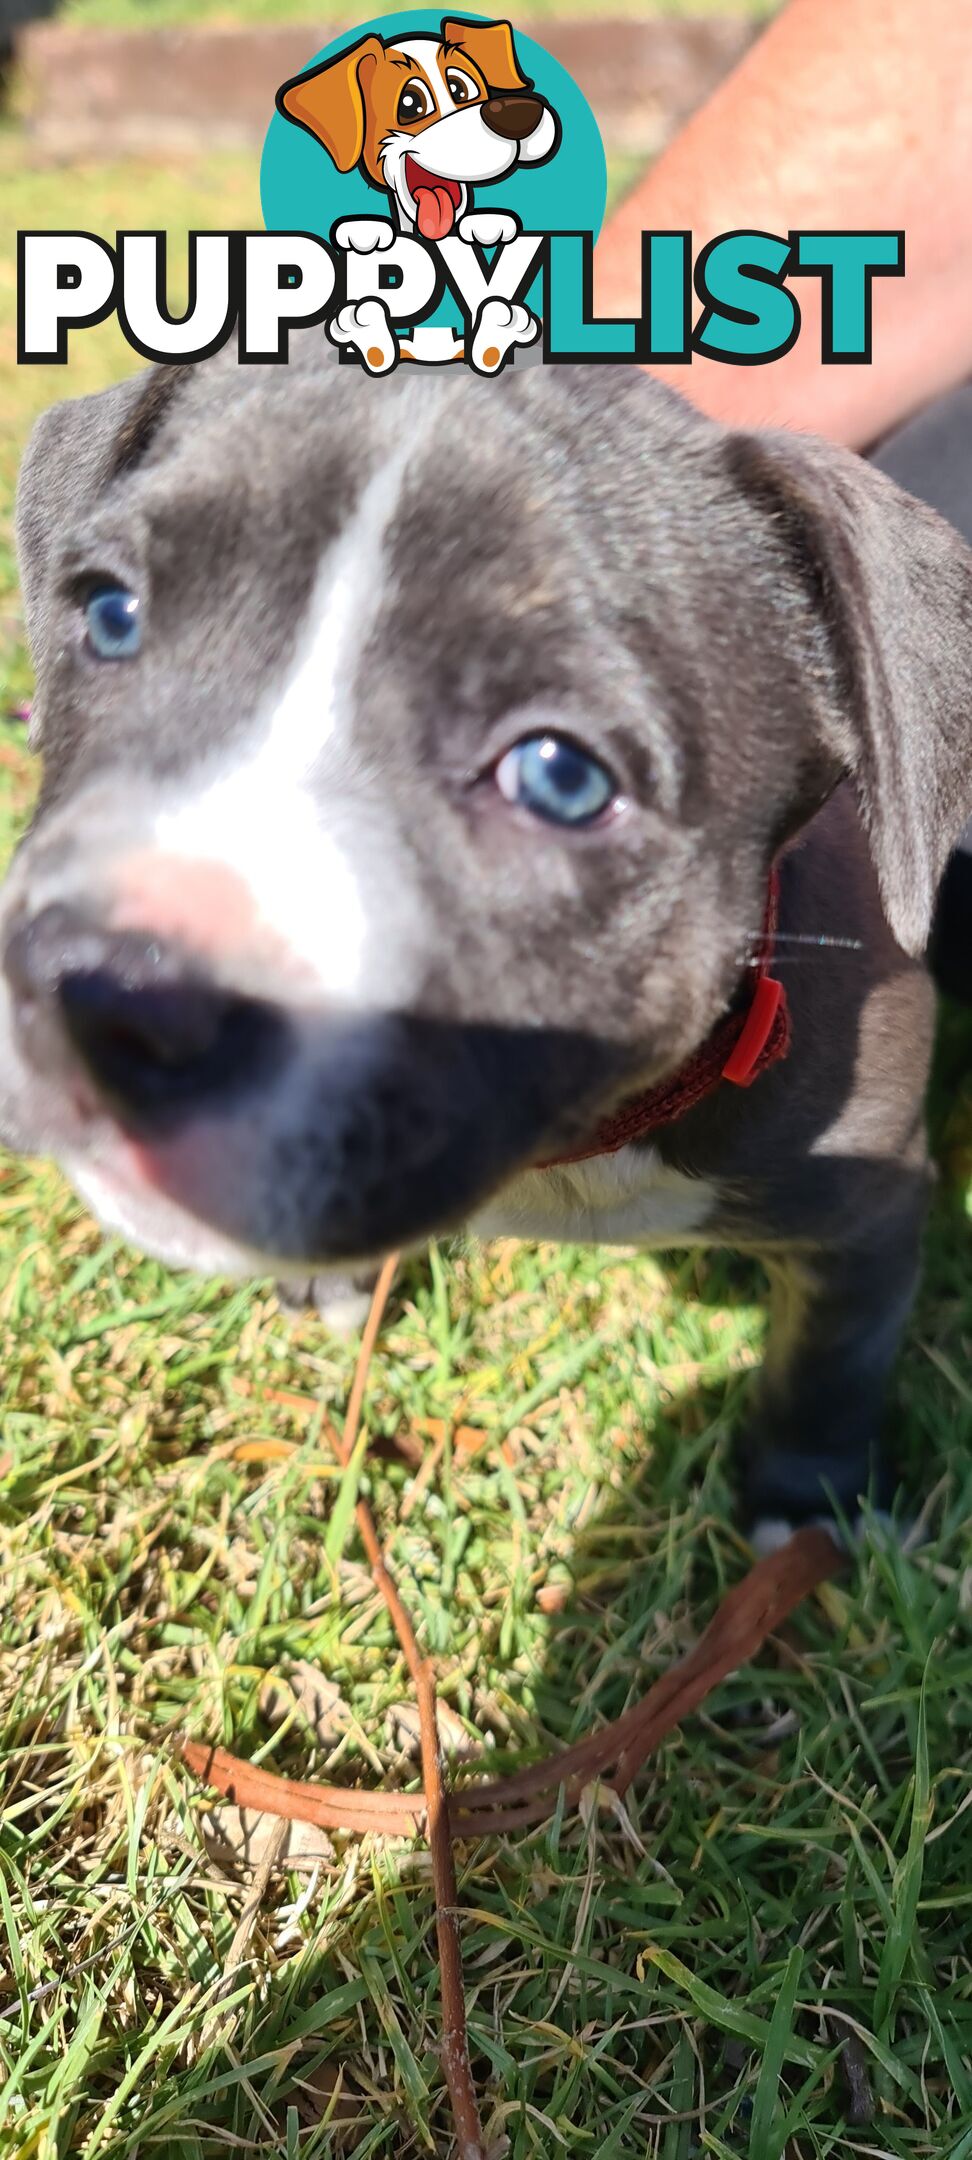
[[762, 1953], [623, 1968]]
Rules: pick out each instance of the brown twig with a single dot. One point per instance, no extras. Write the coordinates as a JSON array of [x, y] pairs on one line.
[[331, 1807], [747, 1615], [455, 2038], [455, 2042]]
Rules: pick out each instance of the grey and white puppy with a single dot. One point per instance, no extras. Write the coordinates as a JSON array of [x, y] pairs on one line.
[[306, 957]]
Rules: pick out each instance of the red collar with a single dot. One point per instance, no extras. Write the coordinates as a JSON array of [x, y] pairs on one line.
[[740, 1048]]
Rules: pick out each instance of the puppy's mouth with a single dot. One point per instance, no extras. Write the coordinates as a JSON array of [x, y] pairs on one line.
[[437, 200], [372, 1133]]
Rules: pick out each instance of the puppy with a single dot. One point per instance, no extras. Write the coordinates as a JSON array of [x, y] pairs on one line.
[[426, 117], [440, 783]]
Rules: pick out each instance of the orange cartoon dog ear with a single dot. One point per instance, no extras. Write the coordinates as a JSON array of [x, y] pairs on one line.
[[329, 101], [490, 47]]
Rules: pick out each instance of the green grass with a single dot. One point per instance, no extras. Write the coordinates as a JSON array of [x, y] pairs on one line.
[[793, 1879], [152, 14]]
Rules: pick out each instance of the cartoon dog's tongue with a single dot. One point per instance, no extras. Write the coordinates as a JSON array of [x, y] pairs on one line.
[[434, 211], [436, 200]]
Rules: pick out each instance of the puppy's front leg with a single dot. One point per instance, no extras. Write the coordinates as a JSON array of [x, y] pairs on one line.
[[341, 1301], [836, 1318]]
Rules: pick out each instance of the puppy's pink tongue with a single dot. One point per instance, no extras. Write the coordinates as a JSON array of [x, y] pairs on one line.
[[434, 212]]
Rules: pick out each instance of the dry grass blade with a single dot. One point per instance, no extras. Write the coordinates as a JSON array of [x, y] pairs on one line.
[[747, 1615], [217, 2024]]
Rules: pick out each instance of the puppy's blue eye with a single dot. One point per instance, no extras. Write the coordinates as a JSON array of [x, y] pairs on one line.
[[112, 624], [557, 781]]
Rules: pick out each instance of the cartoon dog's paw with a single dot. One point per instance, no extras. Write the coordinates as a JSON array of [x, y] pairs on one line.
[[500, 325], [366, 325], [363, 235], [489, 228], [433, 344]]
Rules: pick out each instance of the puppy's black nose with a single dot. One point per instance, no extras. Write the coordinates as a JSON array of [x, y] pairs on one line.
[[514, 114], [157, 1037]]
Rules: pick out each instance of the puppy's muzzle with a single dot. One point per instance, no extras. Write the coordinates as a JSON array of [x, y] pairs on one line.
[[157, 1039], [513, 115], [299, 1134]]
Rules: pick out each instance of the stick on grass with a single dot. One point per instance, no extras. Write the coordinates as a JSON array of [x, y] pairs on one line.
[[747, 1615]]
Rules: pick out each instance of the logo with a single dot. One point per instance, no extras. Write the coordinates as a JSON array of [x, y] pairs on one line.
[[435, 154], [432, 188]]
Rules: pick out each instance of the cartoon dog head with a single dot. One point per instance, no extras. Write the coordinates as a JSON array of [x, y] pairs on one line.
[[426, 117]]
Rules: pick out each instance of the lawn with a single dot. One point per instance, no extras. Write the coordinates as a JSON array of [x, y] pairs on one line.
[[142, 14], [767, 1955]]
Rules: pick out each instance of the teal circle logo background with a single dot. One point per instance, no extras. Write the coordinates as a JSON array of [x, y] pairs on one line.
[[302, 191]]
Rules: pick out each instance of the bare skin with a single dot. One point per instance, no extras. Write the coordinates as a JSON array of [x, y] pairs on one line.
[[846, 113]]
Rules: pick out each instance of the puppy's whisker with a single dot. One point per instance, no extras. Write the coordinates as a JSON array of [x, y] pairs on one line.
[[808, 937], [813, 946]]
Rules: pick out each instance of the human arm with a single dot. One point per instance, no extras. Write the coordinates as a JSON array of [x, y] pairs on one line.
[[845, 114]]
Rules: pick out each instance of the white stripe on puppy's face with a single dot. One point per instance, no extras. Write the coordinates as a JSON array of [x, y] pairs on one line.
[[313, 708], [317, 863]]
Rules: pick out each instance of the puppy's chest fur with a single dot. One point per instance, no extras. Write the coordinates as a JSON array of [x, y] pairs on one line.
[[630, 1198]]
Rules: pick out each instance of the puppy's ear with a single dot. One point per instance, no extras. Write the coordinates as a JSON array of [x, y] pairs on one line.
[[74, 449], [329, 101], [490, 48], [890, 664]]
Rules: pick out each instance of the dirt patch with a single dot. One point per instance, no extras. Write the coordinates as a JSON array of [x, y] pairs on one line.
[[107, 93]]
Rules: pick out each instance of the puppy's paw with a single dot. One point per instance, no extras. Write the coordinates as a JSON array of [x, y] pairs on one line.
[[489, 228], [769, 1533], [343, 1306], [342, 1302], [363, 235], [366, 325], [500, 325]]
